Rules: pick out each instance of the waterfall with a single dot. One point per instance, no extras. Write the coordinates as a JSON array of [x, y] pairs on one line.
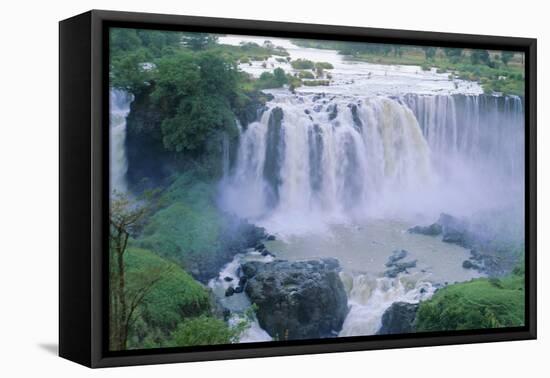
[[481, 129], [119, 108], [336, 156], [313, 156]]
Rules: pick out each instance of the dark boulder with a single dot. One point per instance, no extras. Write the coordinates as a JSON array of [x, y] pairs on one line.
[[228, 279], [455, 230], [266, 253], [431, 230], [396, 255], [230, 291], [238, 289], [242, 281], [270, 237], [297, 300], [332, 110], [399, 267], [399, 318]]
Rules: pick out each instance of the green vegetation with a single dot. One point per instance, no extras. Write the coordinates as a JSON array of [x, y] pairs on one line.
[[189, 226], [324, 66], [477, 304], [175, 296], [501, 72], [192, 81], [302, 64], [205, 330], [306, 75], [316, 82], [272, 80]]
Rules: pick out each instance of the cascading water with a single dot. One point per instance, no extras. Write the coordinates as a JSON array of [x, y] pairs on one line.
[[333, 156], [482, 129], [369, 297], [119, 108]]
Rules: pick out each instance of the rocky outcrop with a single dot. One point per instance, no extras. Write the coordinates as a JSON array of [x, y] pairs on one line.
[[297, 300], [396, 266], [399, 318], [431, 230], [253, 108], [237, 236], [486, 255]]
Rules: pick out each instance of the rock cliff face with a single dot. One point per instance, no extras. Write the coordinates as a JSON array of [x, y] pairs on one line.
[[297, 300]]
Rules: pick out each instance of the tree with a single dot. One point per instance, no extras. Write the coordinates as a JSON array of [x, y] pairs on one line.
[[480, 56], [453, 54], [199, 41], [398, 51], [194, 93], [126, 220], [429, 52], [506, 56], [280, 76]]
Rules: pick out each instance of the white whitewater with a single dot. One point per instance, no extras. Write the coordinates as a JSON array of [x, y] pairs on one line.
[[119, 108], [336, 157], [369, 297], [239, 303]]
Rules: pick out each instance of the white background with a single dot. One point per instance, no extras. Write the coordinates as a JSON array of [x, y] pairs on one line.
[[29, 186]]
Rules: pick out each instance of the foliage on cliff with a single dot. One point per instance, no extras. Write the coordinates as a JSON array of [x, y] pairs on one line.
[[192, 81]]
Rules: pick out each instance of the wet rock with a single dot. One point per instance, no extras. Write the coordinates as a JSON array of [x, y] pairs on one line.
[[226, 314], [317, 108], [259, 247], [275, 150], [228, 279], [355, 116], [332, 109], [475, 255], [396, 256], [467, 264], [297, 300], [238, 289], [230, 291], [270, 237], [431, 230], [399, 267], [455, 230], [266, 253], [242, 281], [398, 319]]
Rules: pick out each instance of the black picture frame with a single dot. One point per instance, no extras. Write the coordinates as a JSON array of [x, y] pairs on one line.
[[83, 181]]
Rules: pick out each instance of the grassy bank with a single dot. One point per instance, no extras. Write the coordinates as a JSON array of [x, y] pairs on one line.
[[478, 304]]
